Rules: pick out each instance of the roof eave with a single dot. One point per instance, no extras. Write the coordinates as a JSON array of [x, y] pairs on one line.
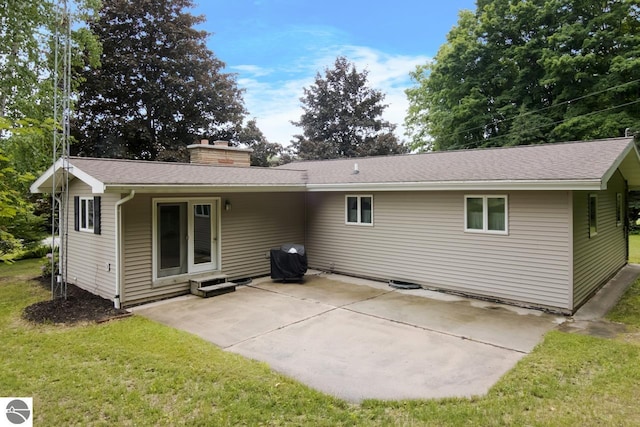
[[54, 176], [562, 185], [628, 162], [39, 185]]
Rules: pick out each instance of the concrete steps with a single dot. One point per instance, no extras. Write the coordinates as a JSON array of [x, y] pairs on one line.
[[211, 286]]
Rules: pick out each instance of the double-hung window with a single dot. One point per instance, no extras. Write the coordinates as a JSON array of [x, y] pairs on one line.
[[486, 214], [87, 214], [359, 210]]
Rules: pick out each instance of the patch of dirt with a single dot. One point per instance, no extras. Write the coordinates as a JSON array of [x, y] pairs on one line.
[[79, 306], [597, 328], [631, 338]]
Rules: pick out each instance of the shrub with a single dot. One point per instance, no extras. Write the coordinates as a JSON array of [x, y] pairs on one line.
[[49, 268]]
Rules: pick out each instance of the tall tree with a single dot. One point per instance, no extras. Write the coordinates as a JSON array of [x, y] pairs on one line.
[[525, 71], [264, 153], [19, 226], [159, 87], [27, 69], [343, 117], [22, 27], [27, 54]]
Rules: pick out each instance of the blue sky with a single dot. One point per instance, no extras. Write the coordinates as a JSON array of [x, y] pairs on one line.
[[276, 47]]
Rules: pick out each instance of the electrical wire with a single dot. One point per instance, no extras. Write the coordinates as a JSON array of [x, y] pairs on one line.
[[475, 143], [544, 108]]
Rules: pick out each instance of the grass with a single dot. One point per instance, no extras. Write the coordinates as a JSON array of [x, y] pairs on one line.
[[634, 248], [628, 309], [137, 372], [20, 270]]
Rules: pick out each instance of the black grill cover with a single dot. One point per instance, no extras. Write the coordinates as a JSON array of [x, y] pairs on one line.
[[288, 262]]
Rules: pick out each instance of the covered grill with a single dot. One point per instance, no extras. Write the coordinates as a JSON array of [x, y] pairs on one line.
[[288, 262]]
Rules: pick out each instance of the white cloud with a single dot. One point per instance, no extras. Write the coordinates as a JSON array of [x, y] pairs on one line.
[[272, 95], [388, 73], [274, 104], [253, 70]]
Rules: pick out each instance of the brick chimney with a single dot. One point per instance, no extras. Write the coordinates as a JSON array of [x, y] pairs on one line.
[[219, 154]]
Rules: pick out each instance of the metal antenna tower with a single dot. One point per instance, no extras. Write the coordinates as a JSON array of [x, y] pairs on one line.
[[61, 117]]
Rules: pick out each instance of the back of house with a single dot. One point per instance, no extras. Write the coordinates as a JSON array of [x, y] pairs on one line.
[[541, 226]]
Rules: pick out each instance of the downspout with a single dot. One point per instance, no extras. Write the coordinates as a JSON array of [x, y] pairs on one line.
[[118, 221]]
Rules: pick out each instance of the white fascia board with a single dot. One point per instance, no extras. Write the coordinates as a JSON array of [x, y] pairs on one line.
[[628, 156], [205, 188], [564, 185], [44, 184], [36, 187]]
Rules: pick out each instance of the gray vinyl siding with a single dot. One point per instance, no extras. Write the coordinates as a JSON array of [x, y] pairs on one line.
[[255, 223], [136, 246], [91, 259], [419, 237], [597, 258]]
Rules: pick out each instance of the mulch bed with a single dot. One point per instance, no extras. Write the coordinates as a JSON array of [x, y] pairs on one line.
[[79, 306]]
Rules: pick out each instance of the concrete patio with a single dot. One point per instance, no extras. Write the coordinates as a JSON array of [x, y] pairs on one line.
[[358, 339]]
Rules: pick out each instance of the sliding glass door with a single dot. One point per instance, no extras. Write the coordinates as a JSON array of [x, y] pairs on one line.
[[172, 239], [186, 236]]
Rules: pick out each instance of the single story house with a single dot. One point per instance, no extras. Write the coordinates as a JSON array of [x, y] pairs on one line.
[[540, 225]]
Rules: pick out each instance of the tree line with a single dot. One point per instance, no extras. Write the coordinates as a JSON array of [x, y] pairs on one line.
[[530, 71], [145, 85]]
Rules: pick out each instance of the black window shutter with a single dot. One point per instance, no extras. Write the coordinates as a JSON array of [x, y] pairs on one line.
[[76, 213], [96, 215]]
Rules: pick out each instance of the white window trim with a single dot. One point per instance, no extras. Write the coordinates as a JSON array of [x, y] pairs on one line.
[[359, 216], [595, 197], [85, 218], [485, 214], [192, 270]]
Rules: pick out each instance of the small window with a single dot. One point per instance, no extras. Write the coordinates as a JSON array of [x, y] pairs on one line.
[[486, 214], [619, 211], [593, 215], [359, 210], [87, 217]]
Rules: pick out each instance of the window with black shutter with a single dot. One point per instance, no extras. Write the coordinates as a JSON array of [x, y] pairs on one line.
[[96, 214], [87, 214]]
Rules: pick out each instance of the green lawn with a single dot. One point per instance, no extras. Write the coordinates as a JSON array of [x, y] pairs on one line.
[[628, 309], [634, 248], [137, 372]]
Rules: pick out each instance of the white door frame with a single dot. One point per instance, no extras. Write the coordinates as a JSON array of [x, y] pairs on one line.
[[215, 213]]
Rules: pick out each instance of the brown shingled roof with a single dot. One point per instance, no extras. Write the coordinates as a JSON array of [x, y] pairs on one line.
[[138, 172], [549, 162], [571, 165]]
